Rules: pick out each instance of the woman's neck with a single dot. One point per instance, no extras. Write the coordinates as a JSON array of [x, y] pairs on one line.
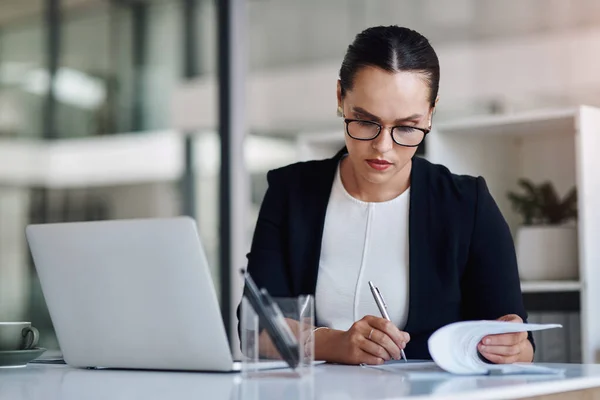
[[364, 190]]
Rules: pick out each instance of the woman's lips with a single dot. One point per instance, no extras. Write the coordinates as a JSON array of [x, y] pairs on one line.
[[379, 165]]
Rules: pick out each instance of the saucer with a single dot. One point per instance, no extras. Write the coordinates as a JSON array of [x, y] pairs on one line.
[[19, 358]]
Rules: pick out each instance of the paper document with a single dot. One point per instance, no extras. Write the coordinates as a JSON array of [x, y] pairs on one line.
[[454, 347], [412, 368], [454, 350]]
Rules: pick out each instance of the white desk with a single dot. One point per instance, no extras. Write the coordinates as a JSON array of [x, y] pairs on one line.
[[329, 382]]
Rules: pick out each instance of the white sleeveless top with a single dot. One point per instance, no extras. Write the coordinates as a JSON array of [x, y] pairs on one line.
[[362, 242]]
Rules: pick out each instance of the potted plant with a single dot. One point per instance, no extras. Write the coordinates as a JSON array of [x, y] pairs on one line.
[[547, 240]]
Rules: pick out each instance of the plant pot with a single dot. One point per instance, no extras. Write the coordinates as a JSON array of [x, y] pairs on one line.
[[547, 253]]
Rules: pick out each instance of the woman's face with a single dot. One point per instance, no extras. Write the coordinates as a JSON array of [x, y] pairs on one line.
[[390, 99]]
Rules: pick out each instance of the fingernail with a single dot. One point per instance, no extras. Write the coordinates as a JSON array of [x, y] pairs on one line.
[[482, 347], [487, 341]]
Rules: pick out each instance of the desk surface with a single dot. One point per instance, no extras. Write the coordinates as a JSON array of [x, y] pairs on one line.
[[329, 382]]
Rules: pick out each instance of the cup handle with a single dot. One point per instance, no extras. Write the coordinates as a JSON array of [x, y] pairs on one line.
[[31, 335]]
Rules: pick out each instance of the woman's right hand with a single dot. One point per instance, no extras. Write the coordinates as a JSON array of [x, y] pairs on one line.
[[372, 340]]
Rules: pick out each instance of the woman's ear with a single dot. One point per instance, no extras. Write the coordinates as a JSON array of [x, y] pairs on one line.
[[433, 110], [340, 110]]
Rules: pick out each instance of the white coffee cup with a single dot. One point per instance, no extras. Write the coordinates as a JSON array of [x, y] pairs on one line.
[[18, 336]]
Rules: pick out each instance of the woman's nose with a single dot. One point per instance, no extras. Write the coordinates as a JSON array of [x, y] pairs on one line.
[[384, 142]]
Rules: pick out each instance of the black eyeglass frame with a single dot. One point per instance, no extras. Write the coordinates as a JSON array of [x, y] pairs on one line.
[[424, 130]]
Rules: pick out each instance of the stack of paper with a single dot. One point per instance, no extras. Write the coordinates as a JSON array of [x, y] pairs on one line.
[[454, 347], [454, 350]]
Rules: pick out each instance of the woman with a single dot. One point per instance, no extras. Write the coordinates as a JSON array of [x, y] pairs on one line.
[[434, 243]]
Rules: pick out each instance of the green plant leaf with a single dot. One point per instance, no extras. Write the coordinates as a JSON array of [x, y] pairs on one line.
[[569, 204], [550, 204], [523, 205], [540, 204], [529, 187]]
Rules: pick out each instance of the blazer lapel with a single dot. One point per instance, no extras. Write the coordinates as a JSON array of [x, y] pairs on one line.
[[418, 242], [316, 204]]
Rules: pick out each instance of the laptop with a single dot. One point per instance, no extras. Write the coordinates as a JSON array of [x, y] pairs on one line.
[[134, 294]]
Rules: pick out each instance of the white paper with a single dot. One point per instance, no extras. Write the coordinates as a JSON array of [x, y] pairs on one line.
[[413, 369], [454, 347], [429, 370]]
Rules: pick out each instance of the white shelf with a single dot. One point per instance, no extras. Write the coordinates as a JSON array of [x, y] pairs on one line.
[[550, 286], [533, 122]]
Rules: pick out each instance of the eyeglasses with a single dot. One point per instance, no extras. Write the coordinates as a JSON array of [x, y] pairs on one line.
[[407, 136]]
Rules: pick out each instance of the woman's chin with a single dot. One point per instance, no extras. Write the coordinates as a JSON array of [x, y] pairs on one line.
[[378, 177]]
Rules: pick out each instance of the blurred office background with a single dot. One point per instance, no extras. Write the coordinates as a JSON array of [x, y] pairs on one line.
[[114, 109]]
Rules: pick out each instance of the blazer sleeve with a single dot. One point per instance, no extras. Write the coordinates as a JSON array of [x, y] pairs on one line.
[[266, 260], [267, 257], [490, 286]]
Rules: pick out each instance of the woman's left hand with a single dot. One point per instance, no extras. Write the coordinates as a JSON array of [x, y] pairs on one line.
[[507, 348]]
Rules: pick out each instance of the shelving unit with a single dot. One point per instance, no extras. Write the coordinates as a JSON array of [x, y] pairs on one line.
[[558, 145], [550, 286]]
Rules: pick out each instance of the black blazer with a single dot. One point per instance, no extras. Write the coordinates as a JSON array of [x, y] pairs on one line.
[[461, 254]]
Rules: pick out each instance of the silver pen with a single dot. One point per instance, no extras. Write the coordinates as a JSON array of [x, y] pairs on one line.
[[382, 308]]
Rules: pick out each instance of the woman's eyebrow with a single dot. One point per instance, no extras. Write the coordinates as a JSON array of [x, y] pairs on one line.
[[413, 117], [365, 113]]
